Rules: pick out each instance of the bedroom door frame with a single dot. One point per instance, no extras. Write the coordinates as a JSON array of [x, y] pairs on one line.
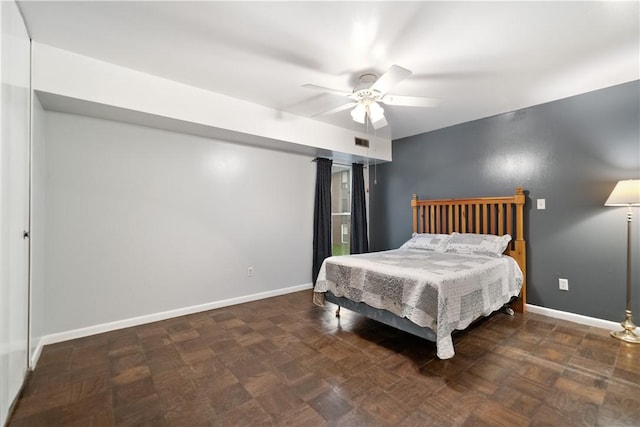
[[15, 164]]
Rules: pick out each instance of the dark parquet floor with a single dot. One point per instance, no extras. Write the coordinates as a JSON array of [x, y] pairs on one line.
[[283, 361]]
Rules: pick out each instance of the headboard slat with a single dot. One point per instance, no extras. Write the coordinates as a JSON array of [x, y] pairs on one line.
[[485, 218]]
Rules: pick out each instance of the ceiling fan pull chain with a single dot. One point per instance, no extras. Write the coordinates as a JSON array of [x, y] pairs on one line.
[[375, 164]]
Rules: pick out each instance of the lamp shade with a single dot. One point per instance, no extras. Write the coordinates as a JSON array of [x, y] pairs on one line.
[[625, 193]]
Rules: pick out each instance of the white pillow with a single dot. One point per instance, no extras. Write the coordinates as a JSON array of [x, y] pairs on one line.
[[481, 244], [427, 242]]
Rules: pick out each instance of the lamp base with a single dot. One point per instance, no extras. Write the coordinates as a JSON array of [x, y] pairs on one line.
[[627, 334]]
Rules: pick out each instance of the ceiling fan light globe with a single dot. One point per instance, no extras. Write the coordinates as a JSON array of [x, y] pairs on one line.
[[380, 124], [376, 112], [358, 114]]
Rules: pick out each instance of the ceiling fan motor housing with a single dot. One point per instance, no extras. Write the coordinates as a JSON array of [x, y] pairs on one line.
[[363, 92], [367, 95]]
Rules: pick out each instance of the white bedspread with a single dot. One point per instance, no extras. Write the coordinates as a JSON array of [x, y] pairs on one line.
[[441, 291]]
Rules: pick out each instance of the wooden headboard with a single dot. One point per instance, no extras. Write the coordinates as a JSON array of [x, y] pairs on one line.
[[482, 215]]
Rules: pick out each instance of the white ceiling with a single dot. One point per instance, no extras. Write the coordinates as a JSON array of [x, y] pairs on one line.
[[478, 58]]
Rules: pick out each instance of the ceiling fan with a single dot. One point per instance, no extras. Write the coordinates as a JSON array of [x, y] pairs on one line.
[[370, 92]]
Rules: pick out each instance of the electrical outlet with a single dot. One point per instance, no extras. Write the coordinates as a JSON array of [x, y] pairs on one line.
[[563, 284], [250, 271]]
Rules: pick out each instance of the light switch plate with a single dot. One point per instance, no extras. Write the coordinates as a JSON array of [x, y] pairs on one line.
[[563, 284], [541, 204]]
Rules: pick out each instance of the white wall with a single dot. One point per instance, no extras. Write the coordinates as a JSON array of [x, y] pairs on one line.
[[38, 216], [14, 203], [141, 220]]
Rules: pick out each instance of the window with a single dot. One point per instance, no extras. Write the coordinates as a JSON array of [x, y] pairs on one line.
[[340, 209], [345, 234]]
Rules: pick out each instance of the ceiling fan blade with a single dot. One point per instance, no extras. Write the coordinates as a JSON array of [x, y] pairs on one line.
[[391, 77], [410, 101], [337, 109], [328, 90]]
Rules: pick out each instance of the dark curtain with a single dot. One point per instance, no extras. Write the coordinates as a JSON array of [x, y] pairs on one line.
[[322, 216], [359, 241]]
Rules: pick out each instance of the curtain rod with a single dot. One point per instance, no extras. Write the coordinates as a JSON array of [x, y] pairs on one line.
[[336, 163]]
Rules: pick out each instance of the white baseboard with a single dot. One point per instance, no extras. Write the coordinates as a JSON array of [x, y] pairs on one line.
[[577, 318], [134, 321], [36, 354]]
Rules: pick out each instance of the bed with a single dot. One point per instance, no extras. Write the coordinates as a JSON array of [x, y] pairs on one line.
[[465, 260]]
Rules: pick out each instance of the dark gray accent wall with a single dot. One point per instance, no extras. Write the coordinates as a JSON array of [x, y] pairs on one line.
[[570, 152]]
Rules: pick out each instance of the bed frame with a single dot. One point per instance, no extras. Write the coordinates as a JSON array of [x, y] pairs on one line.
[[483, 215]]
